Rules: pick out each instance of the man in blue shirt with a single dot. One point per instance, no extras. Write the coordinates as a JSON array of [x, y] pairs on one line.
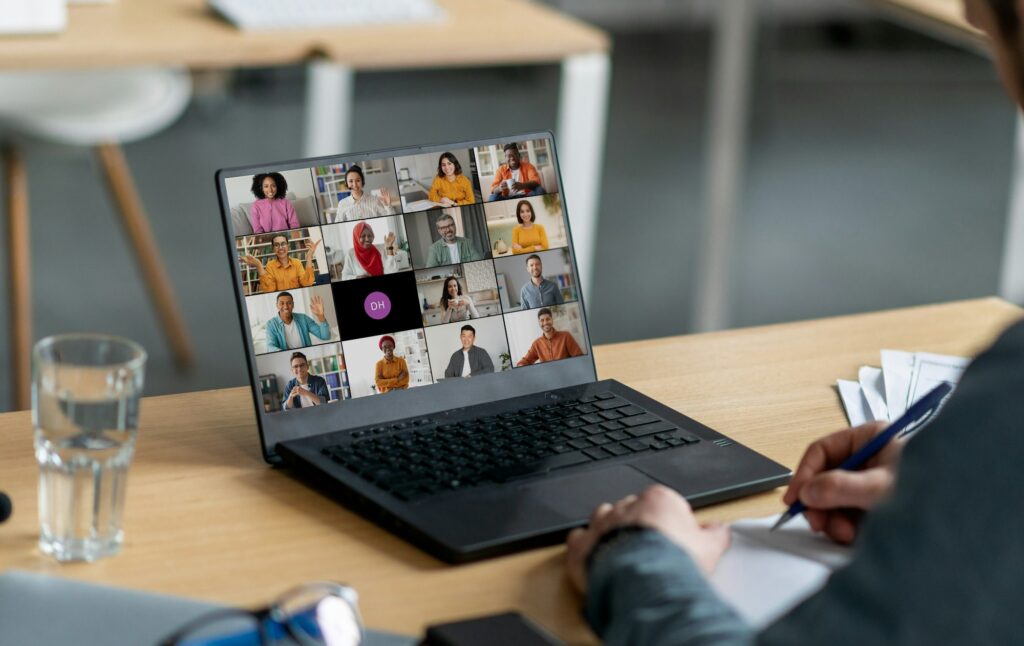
[[304, 390], [937, 557], [289, 330], [539, 291]]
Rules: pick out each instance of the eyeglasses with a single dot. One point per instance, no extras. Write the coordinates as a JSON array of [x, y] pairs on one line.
[[315, 614], [280, 244]]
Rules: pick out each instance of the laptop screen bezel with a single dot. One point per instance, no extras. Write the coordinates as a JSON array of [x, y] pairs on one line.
[[416, 402]]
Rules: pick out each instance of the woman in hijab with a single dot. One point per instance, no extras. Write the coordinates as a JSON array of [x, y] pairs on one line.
[[365, 258]]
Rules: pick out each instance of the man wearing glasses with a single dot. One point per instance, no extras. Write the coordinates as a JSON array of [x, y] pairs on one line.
[[305, 390], [451, 248], [284, 272]]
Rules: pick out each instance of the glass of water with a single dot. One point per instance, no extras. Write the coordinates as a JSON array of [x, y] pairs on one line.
[[85, 411]]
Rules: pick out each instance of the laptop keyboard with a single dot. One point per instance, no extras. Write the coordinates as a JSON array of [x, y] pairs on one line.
[[420, 458]]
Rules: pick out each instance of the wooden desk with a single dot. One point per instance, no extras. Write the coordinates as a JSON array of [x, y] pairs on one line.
[[207, 518]]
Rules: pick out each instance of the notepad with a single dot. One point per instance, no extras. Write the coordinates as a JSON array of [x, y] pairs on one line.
[[765, 574]]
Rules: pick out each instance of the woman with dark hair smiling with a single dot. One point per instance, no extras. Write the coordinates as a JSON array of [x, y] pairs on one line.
[[271, 211], [455, 306], [528, 236], [358, 205], [451, 187]]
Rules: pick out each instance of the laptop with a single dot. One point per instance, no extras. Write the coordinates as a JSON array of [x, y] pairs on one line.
[[418, 349]]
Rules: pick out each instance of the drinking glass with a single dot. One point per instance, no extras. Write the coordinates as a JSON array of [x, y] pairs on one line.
[[85, 411]]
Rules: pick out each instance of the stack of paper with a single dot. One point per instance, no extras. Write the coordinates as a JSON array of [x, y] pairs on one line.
[[885, 393]]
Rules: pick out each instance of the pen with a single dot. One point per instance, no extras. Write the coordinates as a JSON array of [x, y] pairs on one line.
[[912, 420]]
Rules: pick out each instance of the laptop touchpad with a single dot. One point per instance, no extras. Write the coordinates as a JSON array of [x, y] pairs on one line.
[[574, 497]]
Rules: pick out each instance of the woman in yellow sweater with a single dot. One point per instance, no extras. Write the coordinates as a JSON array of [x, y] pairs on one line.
[[451, 187], [528, 236]]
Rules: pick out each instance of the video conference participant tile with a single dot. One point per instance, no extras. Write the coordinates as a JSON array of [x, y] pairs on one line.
[[292, 319], [483, 340], [372, 372], [526, 225], [529, 343], [528, 281], [321, 368], [370, 306], [272, 201], [432, 180]]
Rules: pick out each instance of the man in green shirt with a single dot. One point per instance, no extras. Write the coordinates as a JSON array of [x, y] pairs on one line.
[[450, 249]]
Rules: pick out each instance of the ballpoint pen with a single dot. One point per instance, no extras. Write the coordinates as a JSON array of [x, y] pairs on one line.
[[912, 420]]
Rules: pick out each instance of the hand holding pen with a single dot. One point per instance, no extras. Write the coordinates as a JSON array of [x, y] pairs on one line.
[[847, 473]]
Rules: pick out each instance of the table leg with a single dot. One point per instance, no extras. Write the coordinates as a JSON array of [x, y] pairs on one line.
[[147, 253], [329, 101], [582, 120], [1011, 278], [19, 275], [732, 69]]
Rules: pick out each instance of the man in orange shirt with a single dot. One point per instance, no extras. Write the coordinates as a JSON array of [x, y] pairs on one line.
[[515, 178], [552, 345]]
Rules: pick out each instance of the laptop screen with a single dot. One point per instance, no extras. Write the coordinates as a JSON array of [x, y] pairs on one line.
[[379, 286]]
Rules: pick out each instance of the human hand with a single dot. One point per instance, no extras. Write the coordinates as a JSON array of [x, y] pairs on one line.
[[316, 306], [311, 246], [252, 261], [447, 201], [658, 508], [384, 197], [518, 186], [295, 392], [517, 246], [835, 499], [389, 239]]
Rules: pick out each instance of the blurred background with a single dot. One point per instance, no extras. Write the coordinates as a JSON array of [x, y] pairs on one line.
[[877, 175]]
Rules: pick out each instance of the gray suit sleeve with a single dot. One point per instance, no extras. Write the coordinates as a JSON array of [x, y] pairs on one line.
[[646, 590]]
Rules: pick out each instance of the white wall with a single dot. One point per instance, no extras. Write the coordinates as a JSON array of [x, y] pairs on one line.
[[523, 328], [443, 340]]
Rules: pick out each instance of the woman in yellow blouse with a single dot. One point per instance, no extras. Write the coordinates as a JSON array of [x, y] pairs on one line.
[[392, 373], [451, 187], [528, 236]]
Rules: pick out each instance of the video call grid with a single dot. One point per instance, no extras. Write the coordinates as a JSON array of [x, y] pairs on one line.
[[414, 266]]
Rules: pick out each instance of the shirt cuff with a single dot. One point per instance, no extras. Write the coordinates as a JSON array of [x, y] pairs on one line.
[[643, 588]]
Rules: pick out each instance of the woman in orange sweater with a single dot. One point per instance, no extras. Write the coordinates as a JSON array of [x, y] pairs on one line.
[[528, 236], [451, 187]]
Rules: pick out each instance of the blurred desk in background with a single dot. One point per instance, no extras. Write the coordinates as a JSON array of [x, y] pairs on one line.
[[206, 517], [185, 32]]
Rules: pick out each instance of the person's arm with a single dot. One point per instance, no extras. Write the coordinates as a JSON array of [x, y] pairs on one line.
[[275, 337], [381, 381], [435, 190], [256, 217], [320, 390], [543, 238], [467, 191], [402, 380], [644, 590], [468, 251], [472, 307], [446, 314], [290, 216], [524, 297], [496, 183], [571, 346], [451, 370], [530, 357], [486, 365], [558, 294], [434, 258], [517, 246], [348, 269], [319, 329]]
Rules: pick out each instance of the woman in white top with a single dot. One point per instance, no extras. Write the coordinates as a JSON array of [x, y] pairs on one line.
[[359, 205], [364, 259], [455, 306]]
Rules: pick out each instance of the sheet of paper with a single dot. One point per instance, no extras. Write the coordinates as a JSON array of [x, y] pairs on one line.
[[857, 410], [870, 379], [930, 370], [897, 370], [763, 574]]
